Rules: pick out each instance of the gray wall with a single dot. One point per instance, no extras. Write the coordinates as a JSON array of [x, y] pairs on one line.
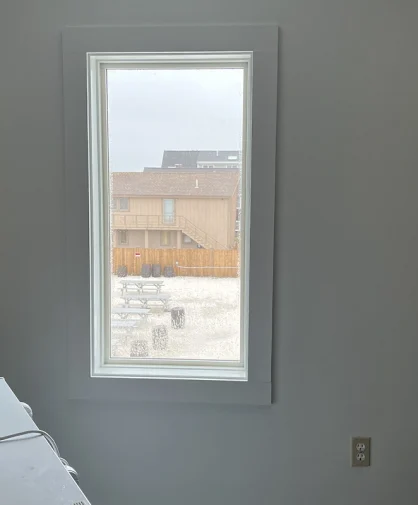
[[346, 297]]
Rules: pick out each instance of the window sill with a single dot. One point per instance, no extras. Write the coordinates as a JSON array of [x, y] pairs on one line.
[[118, 384], [170, 372]]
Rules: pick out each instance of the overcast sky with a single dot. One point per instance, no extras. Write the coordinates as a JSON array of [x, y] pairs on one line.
[[150, 111]]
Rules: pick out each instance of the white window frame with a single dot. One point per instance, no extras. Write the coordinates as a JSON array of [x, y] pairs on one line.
[[262, 42], [102, 363]]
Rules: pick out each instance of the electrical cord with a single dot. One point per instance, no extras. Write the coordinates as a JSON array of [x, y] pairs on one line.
[[48, 437], [51, 442]]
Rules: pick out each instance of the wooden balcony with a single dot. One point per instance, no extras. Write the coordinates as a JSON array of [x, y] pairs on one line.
[[139, 222], [127, 221]]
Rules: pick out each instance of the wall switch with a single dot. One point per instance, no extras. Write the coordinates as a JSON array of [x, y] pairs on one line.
[[360, 451]]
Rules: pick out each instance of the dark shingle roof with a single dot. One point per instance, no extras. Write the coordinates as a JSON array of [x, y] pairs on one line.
[[204, 184], [220, 156], [182, 158], [189, 159], [182, 169]]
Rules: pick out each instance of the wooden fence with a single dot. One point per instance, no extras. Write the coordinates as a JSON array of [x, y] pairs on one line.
[[186, 262]]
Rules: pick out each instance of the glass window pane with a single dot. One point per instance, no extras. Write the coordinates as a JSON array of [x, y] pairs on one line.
[[168, 211], [177, 285], [123, 237], [123, 203]]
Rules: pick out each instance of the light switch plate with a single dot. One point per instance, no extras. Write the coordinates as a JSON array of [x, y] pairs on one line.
[[360, 451]]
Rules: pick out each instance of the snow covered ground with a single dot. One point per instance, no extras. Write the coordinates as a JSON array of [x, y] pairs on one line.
[[212, 326]]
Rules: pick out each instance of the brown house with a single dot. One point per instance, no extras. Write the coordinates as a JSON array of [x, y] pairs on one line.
[[174, 209]]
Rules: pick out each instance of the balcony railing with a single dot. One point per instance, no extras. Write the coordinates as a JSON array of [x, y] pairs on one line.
[[127, 221], [164, 222]]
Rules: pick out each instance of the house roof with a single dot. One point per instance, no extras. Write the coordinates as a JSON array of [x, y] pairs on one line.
[[181, 158], [194, 170], [203, 184], [218, 156], [190, 159]]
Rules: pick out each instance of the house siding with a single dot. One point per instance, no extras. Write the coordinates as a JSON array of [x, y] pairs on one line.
[[208, 214], [135, 238], [154, 239], [214, 216]]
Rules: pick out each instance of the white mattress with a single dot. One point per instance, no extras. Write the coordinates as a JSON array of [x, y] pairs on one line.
[[30, 471]]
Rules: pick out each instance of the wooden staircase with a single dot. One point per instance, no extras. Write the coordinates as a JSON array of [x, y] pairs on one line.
[[198, 235]]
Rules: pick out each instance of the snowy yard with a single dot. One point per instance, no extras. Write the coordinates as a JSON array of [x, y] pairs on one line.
[[212, 326]]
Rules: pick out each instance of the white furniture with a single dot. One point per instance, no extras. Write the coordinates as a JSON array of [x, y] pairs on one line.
[[144, 299], [31, 472], [138, 285], [124, 312], [125, 324]]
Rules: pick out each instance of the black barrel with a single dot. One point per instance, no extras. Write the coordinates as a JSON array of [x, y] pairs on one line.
[[160, 337], [178, 318], [156, 270], [146, 270], [169, 271], [122, 271]]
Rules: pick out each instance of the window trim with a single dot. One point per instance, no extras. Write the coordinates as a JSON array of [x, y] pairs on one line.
[[263, 41]]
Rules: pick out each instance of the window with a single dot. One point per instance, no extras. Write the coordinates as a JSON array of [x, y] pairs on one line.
[[168, 211], [238, 220], [123, 203], [119, 203], [123, 237], [242, 368], [165, 238], [222, 82], [187, 239]]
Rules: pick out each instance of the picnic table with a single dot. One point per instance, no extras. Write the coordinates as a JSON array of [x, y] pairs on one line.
[[140, 286], [124, 312], [144, 299], [117, 323], [126, 327]]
